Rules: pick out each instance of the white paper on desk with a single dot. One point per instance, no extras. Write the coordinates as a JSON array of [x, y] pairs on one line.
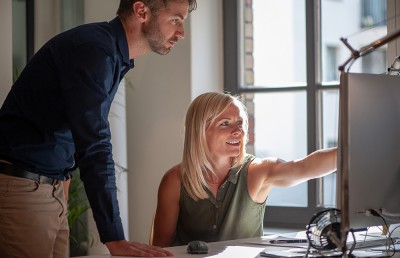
[[295, 253], [284, 253], [360, 253], [386, 247], [267, 242]]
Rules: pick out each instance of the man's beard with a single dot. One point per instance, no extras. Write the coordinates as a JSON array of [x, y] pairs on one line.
[[155, 38]]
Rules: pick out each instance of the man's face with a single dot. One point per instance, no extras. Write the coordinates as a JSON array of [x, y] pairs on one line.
[[166, 28]]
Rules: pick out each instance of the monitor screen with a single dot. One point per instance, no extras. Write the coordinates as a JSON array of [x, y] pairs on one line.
[[369, 146]]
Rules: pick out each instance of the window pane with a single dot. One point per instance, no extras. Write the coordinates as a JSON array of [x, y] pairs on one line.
[[361, 23], [280, 131], [275, 53], [19, 39], [330, 127]]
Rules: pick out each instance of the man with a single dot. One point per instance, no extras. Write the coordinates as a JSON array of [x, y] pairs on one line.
[[55, 118]]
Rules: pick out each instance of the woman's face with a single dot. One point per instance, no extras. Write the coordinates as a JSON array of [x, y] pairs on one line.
[[225, 134]]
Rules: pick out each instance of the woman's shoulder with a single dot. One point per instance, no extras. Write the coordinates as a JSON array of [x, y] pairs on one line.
[[173, 175]]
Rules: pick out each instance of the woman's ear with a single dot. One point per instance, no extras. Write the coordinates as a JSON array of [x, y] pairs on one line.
[[140, 10]]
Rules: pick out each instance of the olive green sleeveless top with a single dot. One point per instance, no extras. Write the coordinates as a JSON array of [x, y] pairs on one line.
[[232, 215]]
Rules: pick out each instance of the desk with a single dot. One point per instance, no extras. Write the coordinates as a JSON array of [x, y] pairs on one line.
[[233, 248], [240, 248]]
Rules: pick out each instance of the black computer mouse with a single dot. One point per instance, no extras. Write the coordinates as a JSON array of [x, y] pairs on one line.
[[197, 247]]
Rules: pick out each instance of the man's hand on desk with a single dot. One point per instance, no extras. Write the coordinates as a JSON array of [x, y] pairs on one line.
[[125, 248]]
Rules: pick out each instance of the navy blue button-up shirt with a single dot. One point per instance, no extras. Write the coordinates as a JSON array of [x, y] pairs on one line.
[[56, 114]]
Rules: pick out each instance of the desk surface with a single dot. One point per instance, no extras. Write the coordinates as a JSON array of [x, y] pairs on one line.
[[243, 248]]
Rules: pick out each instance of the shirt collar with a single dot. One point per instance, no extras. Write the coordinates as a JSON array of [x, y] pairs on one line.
[[233, 175], [234, 172], [122, 42]]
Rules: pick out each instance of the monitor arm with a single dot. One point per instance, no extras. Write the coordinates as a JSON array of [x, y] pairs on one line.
[[366, 49]]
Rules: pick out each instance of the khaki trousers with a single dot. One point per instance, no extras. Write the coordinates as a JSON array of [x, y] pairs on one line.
[[33, 219]]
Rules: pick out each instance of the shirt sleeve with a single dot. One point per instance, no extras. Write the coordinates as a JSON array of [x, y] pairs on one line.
[[88, 77]]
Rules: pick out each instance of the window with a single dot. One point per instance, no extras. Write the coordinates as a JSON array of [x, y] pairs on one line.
[[285, 56], [23, 27], [22, 34], [331, 64], [373, 13]]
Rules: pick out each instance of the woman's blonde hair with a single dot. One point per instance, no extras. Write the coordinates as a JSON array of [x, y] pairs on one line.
[[196, 163]]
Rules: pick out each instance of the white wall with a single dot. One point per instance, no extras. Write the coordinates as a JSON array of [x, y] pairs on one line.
[[206, 47], [100, 10], [46, 21], [163, 87]]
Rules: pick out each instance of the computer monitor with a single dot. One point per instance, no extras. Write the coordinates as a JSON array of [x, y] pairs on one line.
[[369, 147]]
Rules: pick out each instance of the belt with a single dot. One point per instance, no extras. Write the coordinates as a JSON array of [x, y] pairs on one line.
[[11, 170]]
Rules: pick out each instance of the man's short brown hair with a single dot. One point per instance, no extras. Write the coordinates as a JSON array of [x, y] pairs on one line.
[[125, 6]]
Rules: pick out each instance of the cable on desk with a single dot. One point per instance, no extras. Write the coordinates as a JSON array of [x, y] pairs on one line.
[[388, 233]]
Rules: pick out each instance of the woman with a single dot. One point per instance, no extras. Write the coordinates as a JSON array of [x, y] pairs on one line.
[[218, 192]]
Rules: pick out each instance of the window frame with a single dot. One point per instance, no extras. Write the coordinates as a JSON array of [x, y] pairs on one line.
[[287, 217]]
